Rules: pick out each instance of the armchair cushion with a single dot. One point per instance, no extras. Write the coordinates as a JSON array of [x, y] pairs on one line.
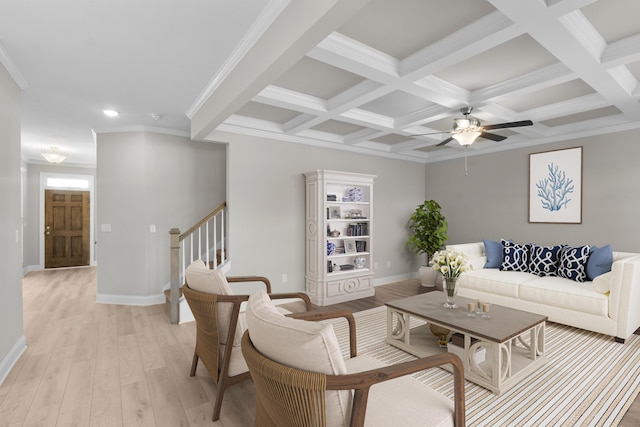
[[393, 402], [310, 346], [201, 278]]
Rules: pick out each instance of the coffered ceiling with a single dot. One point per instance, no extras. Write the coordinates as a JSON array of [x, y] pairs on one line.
[[399, 68], [357, 75]]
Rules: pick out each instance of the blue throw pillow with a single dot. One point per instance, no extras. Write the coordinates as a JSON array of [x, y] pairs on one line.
[[573, 263], [599, 262], [543, 260], [514, 257], [493, 251]]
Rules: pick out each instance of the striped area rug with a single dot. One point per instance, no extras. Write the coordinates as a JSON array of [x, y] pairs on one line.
[[588, 380]]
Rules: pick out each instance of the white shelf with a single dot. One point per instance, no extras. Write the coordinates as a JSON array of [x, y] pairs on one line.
[[345, 272], [323, 286]]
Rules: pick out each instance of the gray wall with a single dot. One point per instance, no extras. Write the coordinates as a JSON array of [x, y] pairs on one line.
[[146, 178], [492, 202], [266, 207], [32, 255], [11, 319]]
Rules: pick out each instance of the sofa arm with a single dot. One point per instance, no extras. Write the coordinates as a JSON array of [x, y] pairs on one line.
[[624, 295], [474, 251]]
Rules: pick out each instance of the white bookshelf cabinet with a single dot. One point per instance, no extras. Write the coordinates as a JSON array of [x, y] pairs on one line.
[[346, 273]]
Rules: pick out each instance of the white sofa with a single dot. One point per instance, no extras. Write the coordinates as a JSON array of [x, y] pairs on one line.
[[610, 304]]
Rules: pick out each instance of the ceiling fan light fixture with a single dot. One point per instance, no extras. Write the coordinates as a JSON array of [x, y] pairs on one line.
[[54, 155], [460, 124], [466, 137]]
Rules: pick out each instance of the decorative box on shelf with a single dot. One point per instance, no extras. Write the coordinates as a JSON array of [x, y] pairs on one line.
[[456, 346], [339, 232]]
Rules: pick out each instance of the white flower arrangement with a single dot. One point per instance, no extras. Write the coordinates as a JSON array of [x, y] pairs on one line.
[[450, 263]]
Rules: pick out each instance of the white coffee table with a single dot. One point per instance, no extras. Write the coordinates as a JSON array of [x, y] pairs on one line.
[[513, 339]]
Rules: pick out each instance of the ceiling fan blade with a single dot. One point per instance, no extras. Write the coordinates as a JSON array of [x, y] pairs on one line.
[[508, 125], [446, 141], [492, 136], [430, 133]]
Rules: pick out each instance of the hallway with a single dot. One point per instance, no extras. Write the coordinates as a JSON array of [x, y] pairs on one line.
[[90, 364]]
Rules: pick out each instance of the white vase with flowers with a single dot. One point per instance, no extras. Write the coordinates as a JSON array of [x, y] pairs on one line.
[[451, 264]]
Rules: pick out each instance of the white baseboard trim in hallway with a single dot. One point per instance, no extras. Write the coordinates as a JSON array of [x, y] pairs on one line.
[[12, 357], [130, 299]]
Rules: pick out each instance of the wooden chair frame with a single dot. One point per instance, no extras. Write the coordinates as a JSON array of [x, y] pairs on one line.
[[310, 387], [204, 308]]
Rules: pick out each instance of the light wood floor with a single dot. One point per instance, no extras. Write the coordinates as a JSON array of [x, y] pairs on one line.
[[90, 364]]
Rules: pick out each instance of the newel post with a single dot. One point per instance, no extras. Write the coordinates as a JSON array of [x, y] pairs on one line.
[[174, 296]]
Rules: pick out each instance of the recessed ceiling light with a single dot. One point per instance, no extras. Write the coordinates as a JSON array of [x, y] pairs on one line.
[[110, 113]]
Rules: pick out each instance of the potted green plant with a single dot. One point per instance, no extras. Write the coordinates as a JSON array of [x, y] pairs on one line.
[[427, 235]]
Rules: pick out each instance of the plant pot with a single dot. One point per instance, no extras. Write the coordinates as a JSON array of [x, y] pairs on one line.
[[427, 276]]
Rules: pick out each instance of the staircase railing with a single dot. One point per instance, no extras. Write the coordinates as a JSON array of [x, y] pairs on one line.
[[206, 241]]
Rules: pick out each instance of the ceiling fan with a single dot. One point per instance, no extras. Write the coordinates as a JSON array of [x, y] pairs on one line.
[[467, 129]]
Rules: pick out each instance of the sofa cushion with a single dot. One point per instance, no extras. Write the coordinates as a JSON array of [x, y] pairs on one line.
[[201, 278], [494, 281], [543, 260], [493, 250], [310, 346], [599, 262], [560, 292], [515, 257], [573, 263]]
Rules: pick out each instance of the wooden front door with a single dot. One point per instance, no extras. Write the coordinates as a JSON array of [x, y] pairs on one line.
[[66, 228]]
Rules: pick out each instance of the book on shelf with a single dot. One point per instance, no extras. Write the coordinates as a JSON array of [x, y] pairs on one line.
[[358, 229], [361, 245]]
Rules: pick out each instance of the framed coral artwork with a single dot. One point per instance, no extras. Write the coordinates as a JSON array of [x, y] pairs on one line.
[[555, 186]]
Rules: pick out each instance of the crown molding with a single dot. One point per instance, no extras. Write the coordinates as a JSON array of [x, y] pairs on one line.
[[12, 69], [143, 128]]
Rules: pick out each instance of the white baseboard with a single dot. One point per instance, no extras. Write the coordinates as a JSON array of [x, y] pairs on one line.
[[130, 299], [29, 268], [392, 279], [12, 357], [185, 315]]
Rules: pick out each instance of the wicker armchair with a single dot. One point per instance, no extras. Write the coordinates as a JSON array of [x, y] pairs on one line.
[[288, 396], [219, 327]]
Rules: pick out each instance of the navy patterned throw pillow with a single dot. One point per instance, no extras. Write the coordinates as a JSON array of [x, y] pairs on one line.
[[543, 260], [573, 263], [514, 257]]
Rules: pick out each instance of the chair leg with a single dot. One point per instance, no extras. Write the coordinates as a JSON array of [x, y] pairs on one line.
[[217, 406], [194, 364]]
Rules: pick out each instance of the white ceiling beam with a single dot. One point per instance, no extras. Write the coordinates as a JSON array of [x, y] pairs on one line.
[[290, 99], [559, 109], [300, 26], [424, 115], [622, 52], [345, 53], [361, 135], [301, 122], [368, 118], [551, 75], [485, 33], [562, 7]]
